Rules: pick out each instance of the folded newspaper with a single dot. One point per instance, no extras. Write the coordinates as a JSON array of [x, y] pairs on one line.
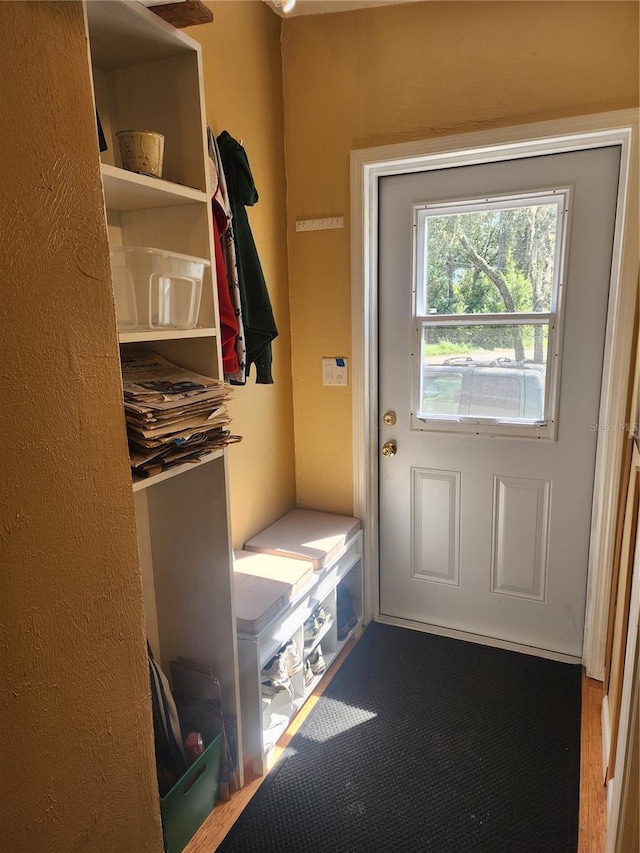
[[173, 415]]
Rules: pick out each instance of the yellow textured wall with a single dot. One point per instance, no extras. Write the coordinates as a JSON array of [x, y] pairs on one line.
[[243, 90], [394, 74], [76, 747]]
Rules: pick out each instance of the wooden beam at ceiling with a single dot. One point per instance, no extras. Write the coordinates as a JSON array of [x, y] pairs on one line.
[[184, 14]]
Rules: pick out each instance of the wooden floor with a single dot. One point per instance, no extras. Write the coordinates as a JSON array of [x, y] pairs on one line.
[[592, 820], [592, 833]]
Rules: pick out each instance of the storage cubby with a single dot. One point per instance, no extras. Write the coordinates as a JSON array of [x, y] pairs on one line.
[[181, 228], [147, 76], [142, 82], [184, 228], [328, 605], [185, 544], [191, 352], [353, 585]]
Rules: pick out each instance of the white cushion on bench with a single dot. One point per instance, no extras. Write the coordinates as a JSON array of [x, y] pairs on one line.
[[304, 534], [263, 586]]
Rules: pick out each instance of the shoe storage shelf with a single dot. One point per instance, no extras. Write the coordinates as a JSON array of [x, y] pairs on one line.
[[265, 718], [147, 75]]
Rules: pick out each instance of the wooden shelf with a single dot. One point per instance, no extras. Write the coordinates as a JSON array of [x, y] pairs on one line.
[[149, 335], [145, 483], [125, 190]]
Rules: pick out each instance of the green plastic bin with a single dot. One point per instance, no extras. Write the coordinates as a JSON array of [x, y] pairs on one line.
[[191, 799]]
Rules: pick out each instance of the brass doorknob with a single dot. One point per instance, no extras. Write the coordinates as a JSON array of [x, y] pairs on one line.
[[389, 448]]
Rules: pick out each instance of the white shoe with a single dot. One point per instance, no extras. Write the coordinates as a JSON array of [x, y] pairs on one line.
[[276, 668], [270, 688], [274, 677], [291, 657]]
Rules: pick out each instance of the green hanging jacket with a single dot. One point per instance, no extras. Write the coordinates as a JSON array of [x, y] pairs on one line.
[[257, 315]]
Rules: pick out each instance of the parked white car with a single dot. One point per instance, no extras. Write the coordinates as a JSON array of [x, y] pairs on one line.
[[501, 388]]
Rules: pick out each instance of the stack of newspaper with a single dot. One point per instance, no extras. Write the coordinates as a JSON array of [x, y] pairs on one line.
[[173, 415]]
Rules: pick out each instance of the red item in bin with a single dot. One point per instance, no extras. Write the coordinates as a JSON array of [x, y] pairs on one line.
[[193, 746]]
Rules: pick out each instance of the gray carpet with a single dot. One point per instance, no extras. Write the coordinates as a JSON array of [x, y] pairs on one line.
[[423, 743]]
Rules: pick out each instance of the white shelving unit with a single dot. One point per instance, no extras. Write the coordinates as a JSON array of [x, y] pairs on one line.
[[148, 76], [263, 721]]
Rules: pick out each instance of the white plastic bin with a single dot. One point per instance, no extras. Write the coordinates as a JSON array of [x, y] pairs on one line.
[[166, 288]]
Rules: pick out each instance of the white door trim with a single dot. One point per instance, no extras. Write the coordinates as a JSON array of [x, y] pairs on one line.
[[572, 134]]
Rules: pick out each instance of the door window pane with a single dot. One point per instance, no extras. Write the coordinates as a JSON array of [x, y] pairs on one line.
[[484, 371], [490, 261], [488, 302]]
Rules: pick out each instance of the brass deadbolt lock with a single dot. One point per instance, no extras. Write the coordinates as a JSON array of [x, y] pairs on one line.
[[389, 418]]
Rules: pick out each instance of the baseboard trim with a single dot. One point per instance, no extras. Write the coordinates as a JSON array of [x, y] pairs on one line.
[[477, 638]]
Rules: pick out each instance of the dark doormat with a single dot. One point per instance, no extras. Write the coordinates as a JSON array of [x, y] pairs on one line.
[[423, 743]]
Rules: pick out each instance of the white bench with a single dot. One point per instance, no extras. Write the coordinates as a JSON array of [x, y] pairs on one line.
[[281, 576]]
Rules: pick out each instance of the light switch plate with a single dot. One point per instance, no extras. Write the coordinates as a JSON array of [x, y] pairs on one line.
[[334, 371]]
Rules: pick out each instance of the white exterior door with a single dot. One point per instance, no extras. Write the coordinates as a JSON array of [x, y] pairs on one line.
[[493, 290]]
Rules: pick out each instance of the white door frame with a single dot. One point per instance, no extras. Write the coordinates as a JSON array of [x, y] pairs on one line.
[[552, 137]]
